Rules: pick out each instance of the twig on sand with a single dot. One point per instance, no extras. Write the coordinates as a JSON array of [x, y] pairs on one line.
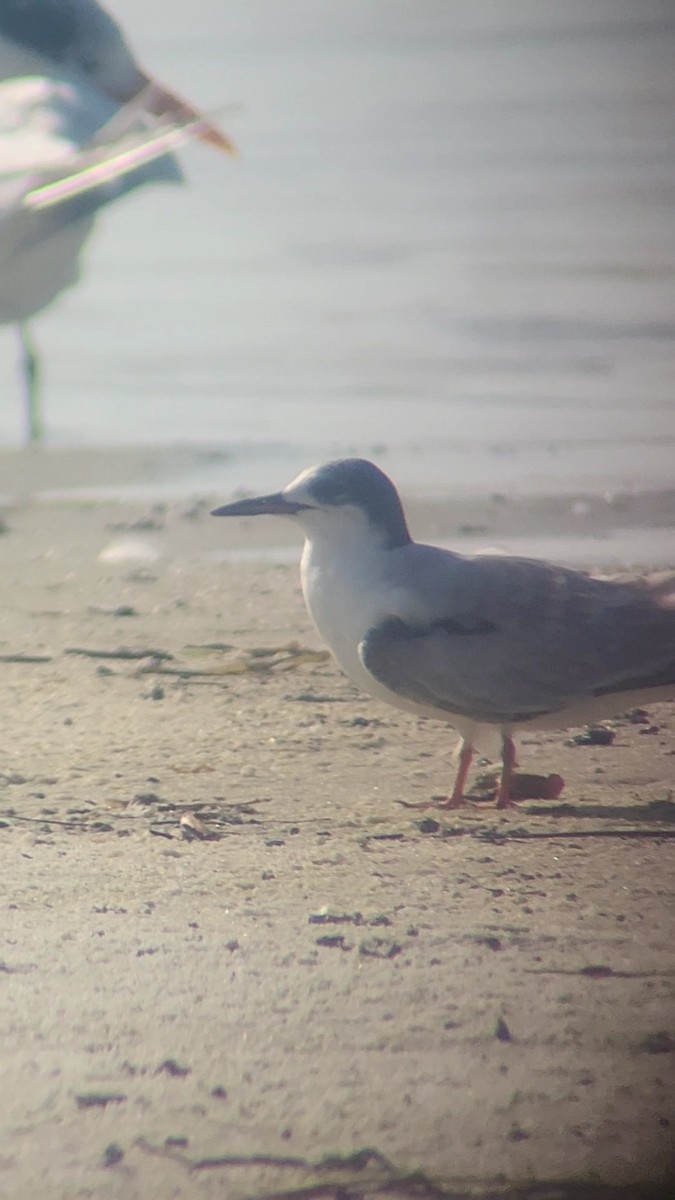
[[123, 652], [25, 658]]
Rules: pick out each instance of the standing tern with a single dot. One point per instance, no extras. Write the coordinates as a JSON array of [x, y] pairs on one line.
[[485, 642], [72, 97]]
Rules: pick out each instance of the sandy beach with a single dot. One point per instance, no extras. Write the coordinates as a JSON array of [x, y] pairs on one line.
[[235, 963]]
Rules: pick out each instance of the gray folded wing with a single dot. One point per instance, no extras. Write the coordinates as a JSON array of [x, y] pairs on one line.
[[503, 640]]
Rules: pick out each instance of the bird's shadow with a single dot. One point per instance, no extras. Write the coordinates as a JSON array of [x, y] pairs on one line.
[[653, 812]]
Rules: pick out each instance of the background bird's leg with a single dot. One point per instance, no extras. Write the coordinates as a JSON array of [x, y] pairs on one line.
[[30, 367], [508, 763]]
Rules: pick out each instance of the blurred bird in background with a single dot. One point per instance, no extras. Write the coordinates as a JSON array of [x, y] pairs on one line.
[[81, 124]]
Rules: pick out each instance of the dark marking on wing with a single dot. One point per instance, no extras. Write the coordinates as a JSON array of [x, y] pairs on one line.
[[397, 627], [463, 626]]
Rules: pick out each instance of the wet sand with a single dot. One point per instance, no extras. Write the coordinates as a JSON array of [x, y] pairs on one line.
[[233, 958]]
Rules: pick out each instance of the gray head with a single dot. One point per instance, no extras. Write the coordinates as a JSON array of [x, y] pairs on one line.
[[77, 37], [347, 496]]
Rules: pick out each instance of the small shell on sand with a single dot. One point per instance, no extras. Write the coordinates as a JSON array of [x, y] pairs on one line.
[[124, 550]]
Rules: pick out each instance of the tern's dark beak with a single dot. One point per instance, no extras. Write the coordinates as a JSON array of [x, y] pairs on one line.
[[276, 504]]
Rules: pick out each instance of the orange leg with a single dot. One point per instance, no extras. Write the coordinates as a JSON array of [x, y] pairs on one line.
[[508, 763], [457, 800]]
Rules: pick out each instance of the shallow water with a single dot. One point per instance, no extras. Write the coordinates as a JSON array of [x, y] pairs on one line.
[[449, 244]]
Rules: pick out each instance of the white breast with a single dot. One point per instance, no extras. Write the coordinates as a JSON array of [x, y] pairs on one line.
[[347, 591], [344, 601]]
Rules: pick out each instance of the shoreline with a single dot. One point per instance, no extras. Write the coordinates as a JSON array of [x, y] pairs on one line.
[[594, 531], [175, 472]]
